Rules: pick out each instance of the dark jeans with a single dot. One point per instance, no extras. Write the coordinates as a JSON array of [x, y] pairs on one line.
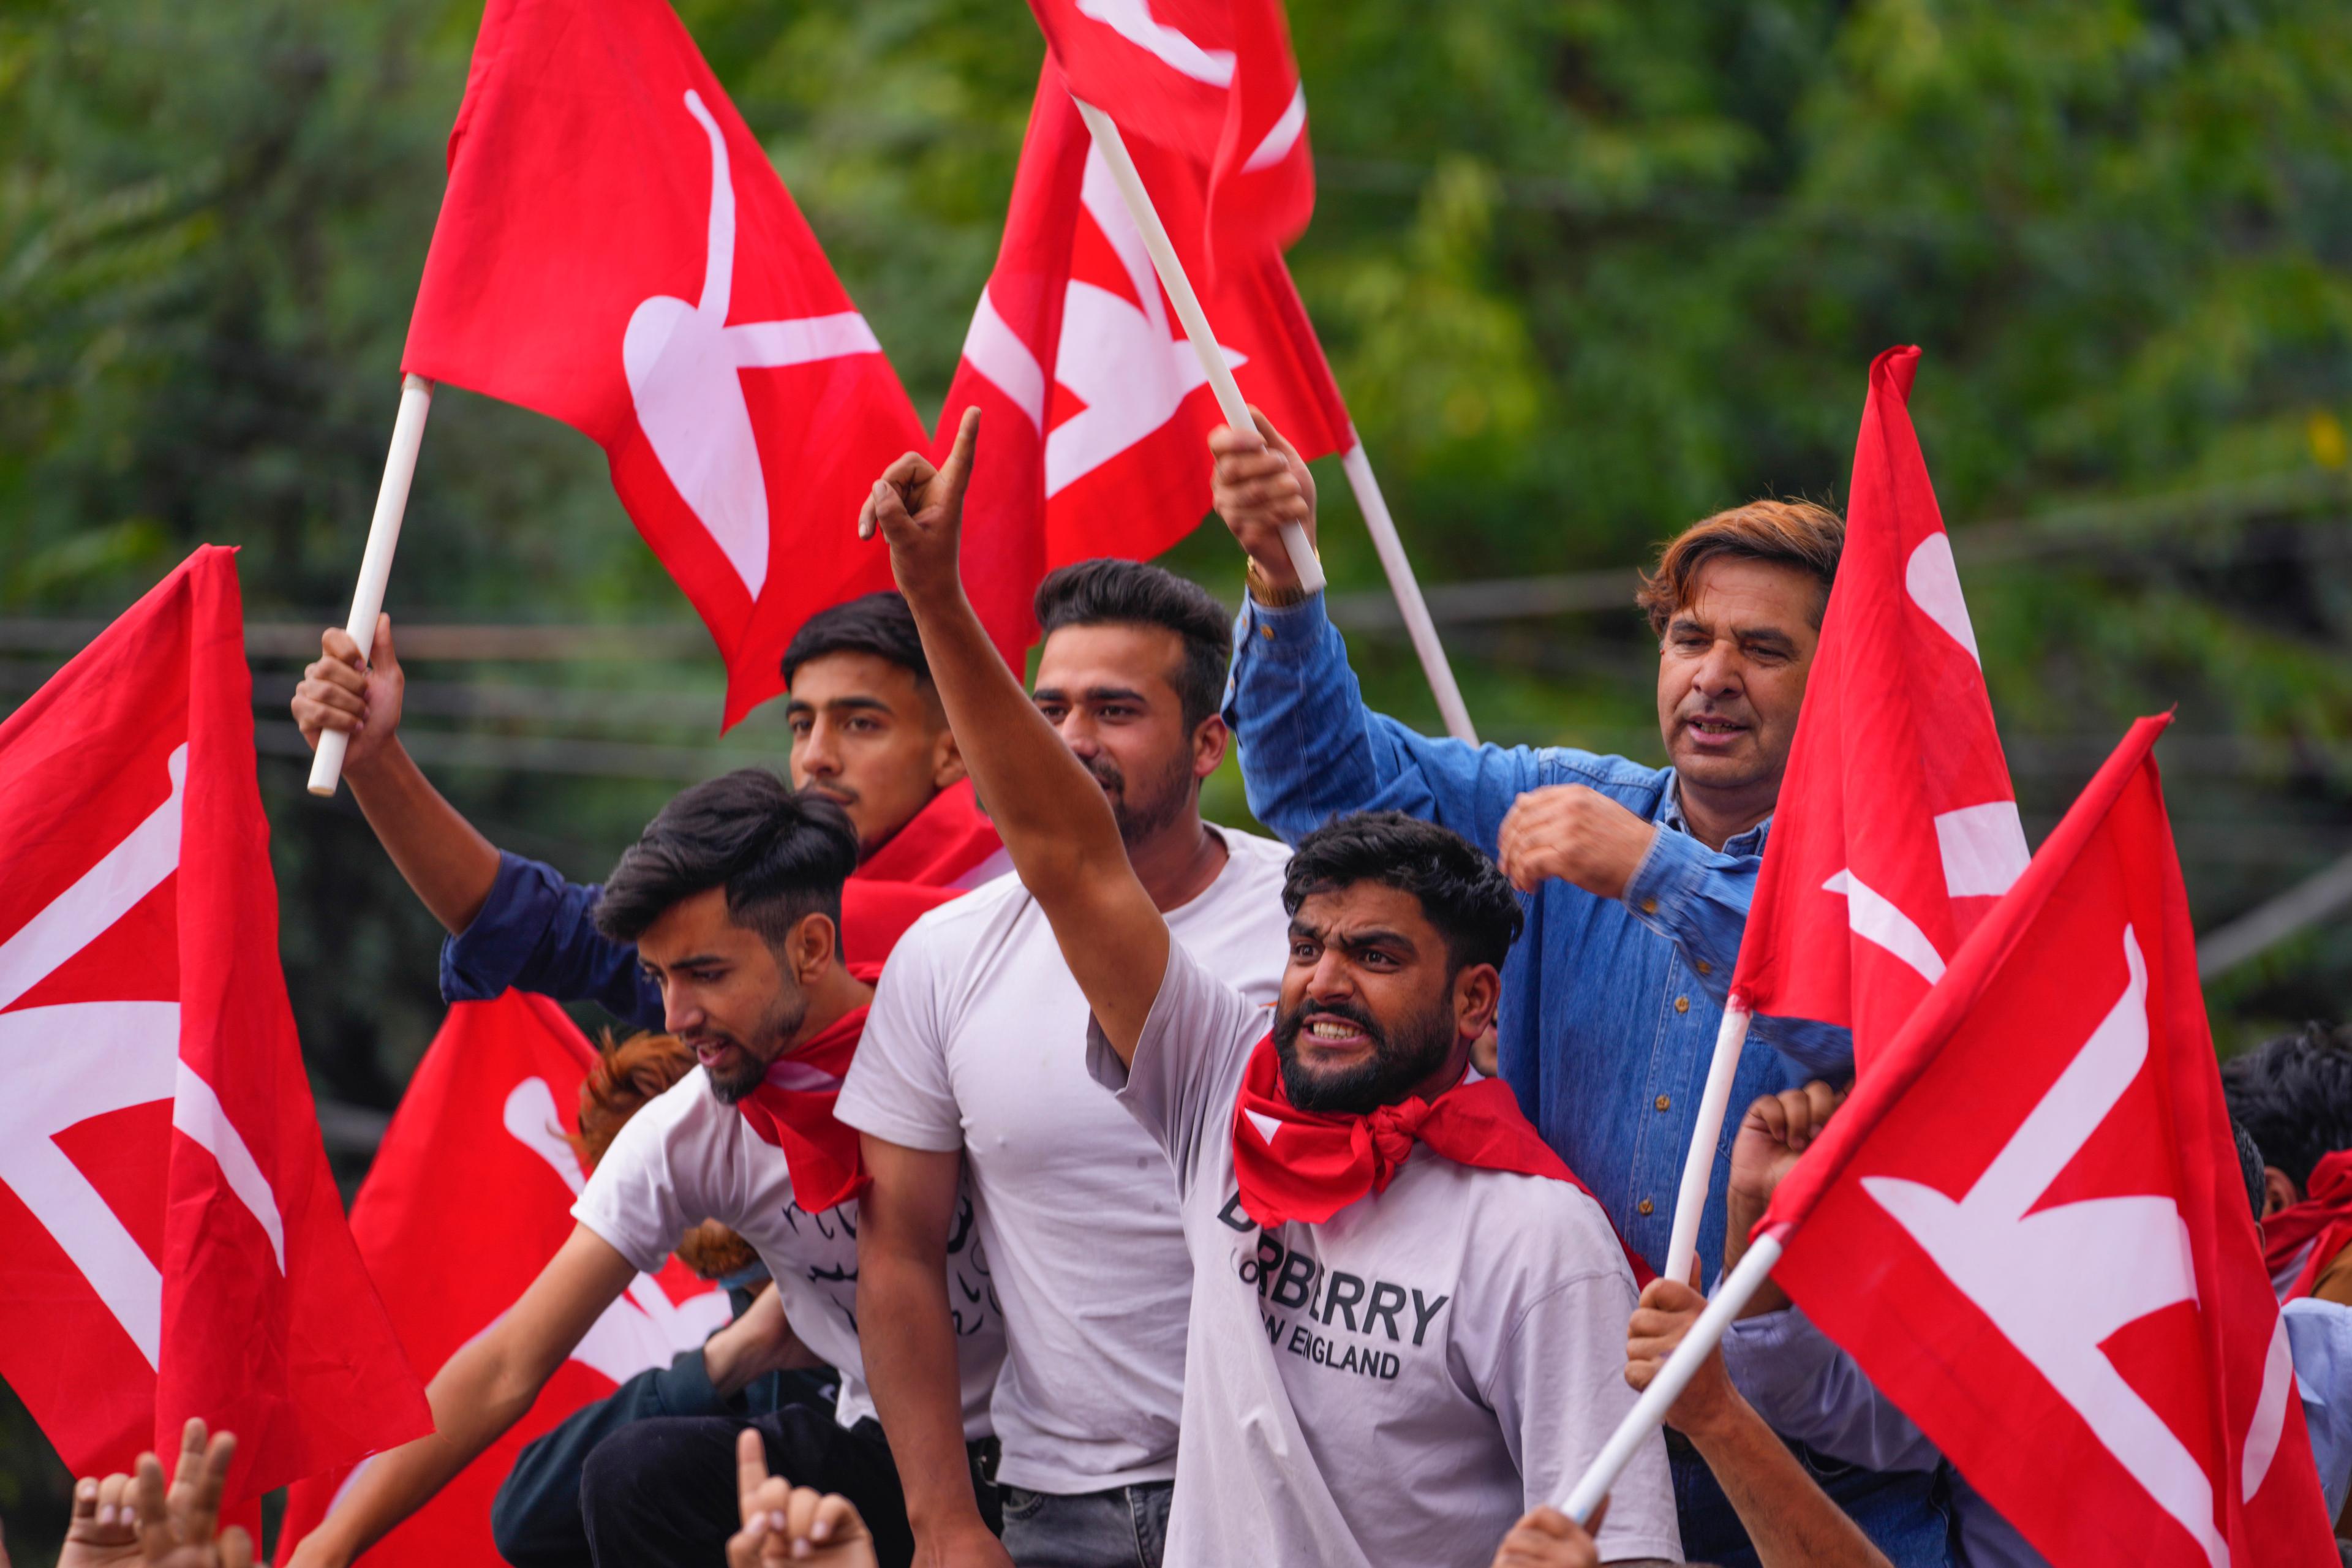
[[1125, 1527], [662, 1494], [1907, 1513]]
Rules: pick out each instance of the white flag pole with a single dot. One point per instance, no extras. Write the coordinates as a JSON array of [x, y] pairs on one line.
[[1698, 1164], [376, 564], [1407, 589], [1164, 261], [1649, 1412]]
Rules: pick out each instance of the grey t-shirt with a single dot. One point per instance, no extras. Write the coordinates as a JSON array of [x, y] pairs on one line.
[[1398, 1383]]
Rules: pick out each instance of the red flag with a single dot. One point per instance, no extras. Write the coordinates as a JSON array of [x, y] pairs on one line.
[[615, 251], [2029, 1227], [171, 1241], [1108, 455], [1896, 829], [1211, 81], [471, 1195]]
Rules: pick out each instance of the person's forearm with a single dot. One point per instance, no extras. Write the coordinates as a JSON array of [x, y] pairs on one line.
[[448, 865], [475, 1396], [1054, 820], [1789, 1519], [908, 1340]]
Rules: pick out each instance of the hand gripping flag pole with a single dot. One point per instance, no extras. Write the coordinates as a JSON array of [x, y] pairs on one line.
[[375, 563], [1164, 261], [1649, 1412]]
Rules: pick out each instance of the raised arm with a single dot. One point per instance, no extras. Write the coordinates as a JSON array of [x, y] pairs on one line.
[[449, 865], [1310, 748], [1054, 819], [481, 1391]]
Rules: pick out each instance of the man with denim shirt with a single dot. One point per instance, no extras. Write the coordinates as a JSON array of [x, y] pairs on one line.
[[1636, 879]]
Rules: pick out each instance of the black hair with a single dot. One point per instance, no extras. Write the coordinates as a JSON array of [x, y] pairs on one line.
[[2293, 1096], [1465, 894], [879, 624], [781, 856], [2250, 1164], [1109, 592]]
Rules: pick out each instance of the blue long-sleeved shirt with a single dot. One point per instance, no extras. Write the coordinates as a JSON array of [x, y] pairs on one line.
[[1610, 1007], [536, 932], [1806, 1388]]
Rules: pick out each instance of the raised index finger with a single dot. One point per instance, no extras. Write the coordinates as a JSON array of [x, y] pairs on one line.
[[751, 1469], [956, 472]]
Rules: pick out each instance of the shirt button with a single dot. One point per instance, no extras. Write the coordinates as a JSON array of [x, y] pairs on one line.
[[1265, 631], [1649, 906], [1646, 1205], [1705, 967], [1682, 1003], [1664, 1103]]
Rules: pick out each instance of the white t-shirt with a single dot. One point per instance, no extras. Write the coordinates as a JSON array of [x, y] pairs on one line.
[[977, 1041], [686, 1158], [1399, 1382]]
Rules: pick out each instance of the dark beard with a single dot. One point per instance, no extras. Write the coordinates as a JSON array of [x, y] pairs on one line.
[[1140, 818], [782, 1022], [1400, 1060]]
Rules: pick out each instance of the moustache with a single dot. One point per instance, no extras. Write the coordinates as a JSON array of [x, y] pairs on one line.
[[1106, 773], [1289, 1022]]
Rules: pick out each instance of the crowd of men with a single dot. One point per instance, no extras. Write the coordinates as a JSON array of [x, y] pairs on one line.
[[1132, 1189]]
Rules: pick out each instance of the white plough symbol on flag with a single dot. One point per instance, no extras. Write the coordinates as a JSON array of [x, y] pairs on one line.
[[685, 365], [2116, 1260], [643, 1327], [1121, 360], [1982, 847], [68, 1063]]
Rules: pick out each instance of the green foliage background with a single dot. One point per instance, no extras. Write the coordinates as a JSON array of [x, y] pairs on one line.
[[1586, 269]]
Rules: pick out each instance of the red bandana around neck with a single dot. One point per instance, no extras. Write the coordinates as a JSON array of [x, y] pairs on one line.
[[1307, 1165], [941, 844], [2321, 1222], [793, 1109]]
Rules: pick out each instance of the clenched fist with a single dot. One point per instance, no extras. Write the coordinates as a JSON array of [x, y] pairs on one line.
[[1259, 484], [360, 697], [1575, 834]]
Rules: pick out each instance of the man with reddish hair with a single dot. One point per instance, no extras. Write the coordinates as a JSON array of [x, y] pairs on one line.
[[1635, 879]]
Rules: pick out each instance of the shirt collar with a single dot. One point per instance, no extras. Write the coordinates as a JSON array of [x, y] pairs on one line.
[[1670, 814]]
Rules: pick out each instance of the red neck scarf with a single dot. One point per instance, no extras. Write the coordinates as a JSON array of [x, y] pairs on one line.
[[793, 1109], [1307, 1165], [914, 873], [940, 845], [2323, 1222]]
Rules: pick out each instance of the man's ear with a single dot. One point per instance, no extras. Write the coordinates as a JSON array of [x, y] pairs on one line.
[[815, 945], [947, 760], [1210, 741], [2279, 1191], [1477, 992]]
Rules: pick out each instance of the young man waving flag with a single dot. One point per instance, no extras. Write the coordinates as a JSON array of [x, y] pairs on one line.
[[1366, 1311]]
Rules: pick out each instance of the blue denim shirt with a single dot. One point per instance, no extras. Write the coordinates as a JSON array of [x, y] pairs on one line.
[[1610, 1008], [536, 933]]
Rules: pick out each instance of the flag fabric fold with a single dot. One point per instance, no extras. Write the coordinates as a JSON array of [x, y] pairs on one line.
[[1214, 83], [1094, 410], [2029, 1227], [615, 251], [171, 1240], [469, 1196], [1896, 828]]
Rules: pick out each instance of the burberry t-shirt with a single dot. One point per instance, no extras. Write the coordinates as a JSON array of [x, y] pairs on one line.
[[1399, 1382]]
